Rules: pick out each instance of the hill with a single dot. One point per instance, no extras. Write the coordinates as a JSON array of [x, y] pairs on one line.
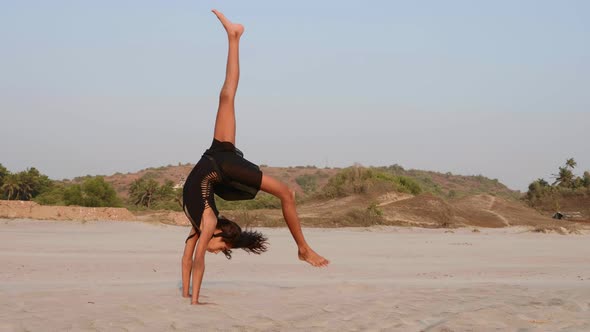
[[327, 197], [309, 180], [365, 196]]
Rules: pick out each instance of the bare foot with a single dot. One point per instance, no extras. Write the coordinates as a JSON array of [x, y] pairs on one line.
[[234, 30], [310, 256]]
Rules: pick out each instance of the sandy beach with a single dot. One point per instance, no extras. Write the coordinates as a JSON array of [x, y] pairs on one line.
[[125, 276]]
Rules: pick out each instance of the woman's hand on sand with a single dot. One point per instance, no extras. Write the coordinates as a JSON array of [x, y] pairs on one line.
[[203, 303]]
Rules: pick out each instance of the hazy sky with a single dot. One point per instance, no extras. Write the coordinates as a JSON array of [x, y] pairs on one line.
[[499, 88]]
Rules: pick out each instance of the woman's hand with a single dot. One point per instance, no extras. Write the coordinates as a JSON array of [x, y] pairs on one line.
[[203, 303]]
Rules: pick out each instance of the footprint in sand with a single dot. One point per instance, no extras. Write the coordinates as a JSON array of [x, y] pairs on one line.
[[330, 308], [555, 301]]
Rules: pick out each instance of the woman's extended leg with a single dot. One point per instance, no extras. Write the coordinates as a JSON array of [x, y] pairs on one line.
[[225, 123], [287, 197]]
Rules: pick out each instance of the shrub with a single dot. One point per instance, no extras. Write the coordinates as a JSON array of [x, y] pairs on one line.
[[359, 180], [370, 216], [452, 194], [93, 192], [373, 210], [147, 192], [408, 185], [53, 196], [538, 189], [262, 201], [321, 175], [307, 182]]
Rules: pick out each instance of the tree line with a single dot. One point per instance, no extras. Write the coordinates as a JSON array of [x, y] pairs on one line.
[[147, 193], [91, 191], [564, 181], [32, 185], [23, 185]]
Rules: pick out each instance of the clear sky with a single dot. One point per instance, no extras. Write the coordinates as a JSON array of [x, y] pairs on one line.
[[499, 88]]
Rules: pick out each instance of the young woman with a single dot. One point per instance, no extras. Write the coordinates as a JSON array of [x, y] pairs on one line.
[[224, 171]]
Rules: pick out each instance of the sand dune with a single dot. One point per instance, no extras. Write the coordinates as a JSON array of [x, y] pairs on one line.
[[124, 276], [424, 210], [482, 210]]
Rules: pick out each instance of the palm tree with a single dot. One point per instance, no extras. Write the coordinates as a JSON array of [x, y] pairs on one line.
[[11, 186], [25, 190], [571, 163], [565, 178], [3, 173]]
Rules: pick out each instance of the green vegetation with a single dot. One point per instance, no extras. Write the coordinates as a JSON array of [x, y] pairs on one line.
[[448, 185], [148, 193], [93, 192], [376, 180], [566, 183], [370, 216], [307, 182], [3, 173], [360, 180], [32, 185], [53, 196], [262, 201], [24, 185]]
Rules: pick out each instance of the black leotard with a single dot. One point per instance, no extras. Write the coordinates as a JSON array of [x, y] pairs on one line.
[[223, 170]]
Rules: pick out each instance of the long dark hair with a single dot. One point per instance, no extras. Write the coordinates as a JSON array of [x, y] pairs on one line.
[[248, 240]]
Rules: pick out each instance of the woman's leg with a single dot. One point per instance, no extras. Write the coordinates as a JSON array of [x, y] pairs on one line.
[[187, 262], [287, 197], [225, 123]]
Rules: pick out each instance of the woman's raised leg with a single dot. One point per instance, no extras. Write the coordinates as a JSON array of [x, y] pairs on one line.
[[287, 197], [225, 123]]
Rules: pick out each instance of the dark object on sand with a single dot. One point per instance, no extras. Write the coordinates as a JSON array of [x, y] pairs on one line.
[[568, 215]]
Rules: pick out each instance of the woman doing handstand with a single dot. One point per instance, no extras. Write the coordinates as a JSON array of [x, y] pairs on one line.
[[224, 171]]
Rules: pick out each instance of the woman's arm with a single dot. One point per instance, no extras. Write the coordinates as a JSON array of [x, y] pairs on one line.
[[208, 224], [187, 261]]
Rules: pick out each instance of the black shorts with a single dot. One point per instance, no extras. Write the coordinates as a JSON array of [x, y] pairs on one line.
[[222, 170]]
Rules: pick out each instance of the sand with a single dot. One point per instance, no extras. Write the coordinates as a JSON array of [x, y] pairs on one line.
[[125, 276]]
